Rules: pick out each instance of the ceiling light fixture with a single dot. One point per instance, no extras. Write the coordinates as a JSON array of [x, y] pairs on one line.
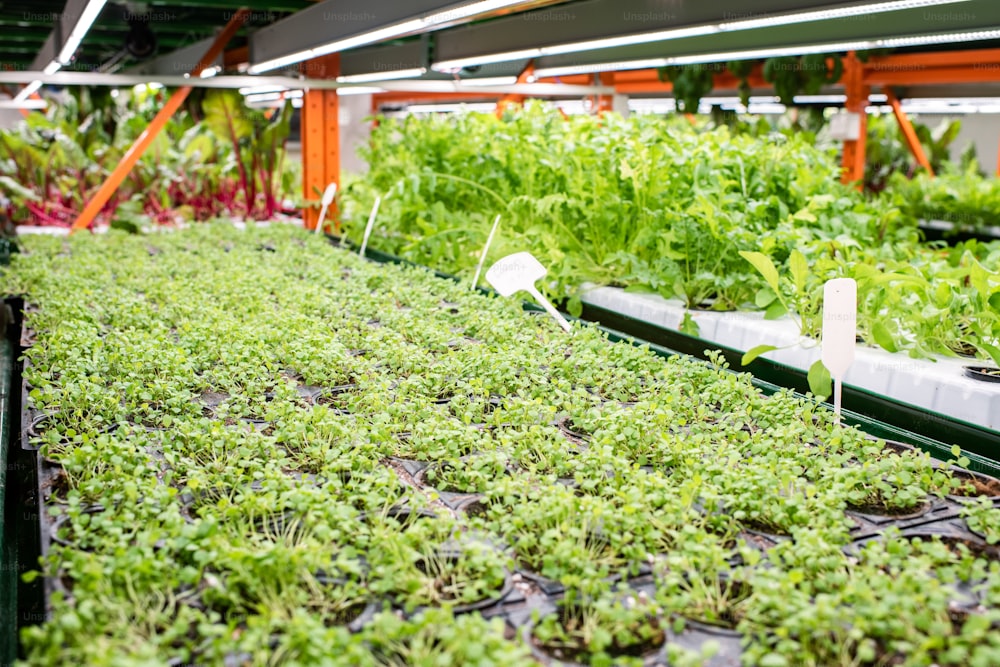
[[412, 26], [28, 91], [489, 81], [896, 42], [252, 90], [694, 31], [360, 90], [87, 18], [23, 104], [387, 75], [484, 107]]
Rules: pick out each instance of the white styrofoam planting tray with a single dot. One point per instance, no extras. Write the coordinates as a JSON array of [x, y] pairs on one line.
[[938, 386], [945, 226]]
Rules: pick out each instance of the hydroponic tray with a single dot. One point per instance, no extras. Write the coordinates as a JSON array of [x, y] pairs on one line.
[[938, 387], [943, 229]]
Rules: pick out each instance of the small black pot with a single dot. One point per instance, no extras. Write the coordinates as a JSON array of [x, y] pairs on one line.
[[696, 634], [983, 373], [985, 485], [63, 520], [654, 656]]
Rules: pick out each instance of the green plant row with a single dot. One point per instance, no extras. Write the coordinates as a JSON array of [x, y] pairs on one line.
[[215, 157], [963, 197], [717, 220], [230, 418]]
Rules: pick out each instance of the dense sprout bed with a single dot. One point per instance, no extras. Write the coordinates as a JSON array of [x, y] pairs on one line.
[[258, 449]]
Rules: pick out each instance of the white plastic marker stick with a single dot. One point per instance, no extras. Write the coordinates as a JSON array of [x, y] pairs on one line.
[[328, 195], [486, 250], [840, 313], [371, 223], [519, 272]]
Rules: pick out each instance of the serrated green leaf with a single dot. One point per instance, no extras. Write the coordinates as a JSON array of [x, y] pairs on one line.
[[689, 326]]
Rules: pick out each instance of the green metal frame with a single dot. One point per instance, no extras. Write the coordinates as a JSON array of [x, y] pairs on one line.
[[8, 547]]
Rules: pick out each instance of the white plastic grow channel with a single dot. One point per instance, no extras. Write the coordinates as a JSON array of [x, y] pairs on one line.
[[939, 386]]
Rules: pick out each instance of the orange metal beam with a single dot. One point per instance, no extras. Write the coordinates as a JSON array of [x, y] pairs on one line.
[[916, 61], [637, 82], [577, 79], [320, 139], [233, 58], [523, 77], [407, 97], [912, 140], [145, 139], [934, 75], [857, 101]]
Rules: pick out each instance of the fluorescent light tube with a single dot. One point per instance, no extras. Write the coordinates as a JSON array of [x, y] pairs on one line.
[[459, 63], [896, 42], [255, 98], [974, 36], [548, 72], [360, 90], [389, 32], [28, 91], [828, 14], [387, 75], [628, 40], [251, 90], [23, 104], [87, 18], [490, 81], [484, 107], [52, 67], [693, 31], [209, 72]]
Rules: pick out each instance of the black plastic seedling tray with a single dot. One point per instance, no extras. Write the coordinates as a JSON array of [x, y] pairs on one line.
[[526, 594]]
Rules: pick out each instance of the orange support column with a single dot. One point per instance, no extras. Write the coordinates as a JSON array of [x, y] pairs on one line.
[[857, 101], [606, 103], [320, 139], [523, 77], [912, 140], [159, 121]]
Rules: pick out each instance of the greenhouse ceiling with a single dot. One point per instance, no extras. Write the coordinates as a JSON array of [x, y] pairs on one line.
[[483, 38]]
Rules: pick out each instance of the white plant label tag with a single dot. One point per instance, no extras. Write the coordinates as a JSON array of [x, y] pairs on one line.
[[368, 228], [519, 272], [486, 250], [840, 324], [328, 195]]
